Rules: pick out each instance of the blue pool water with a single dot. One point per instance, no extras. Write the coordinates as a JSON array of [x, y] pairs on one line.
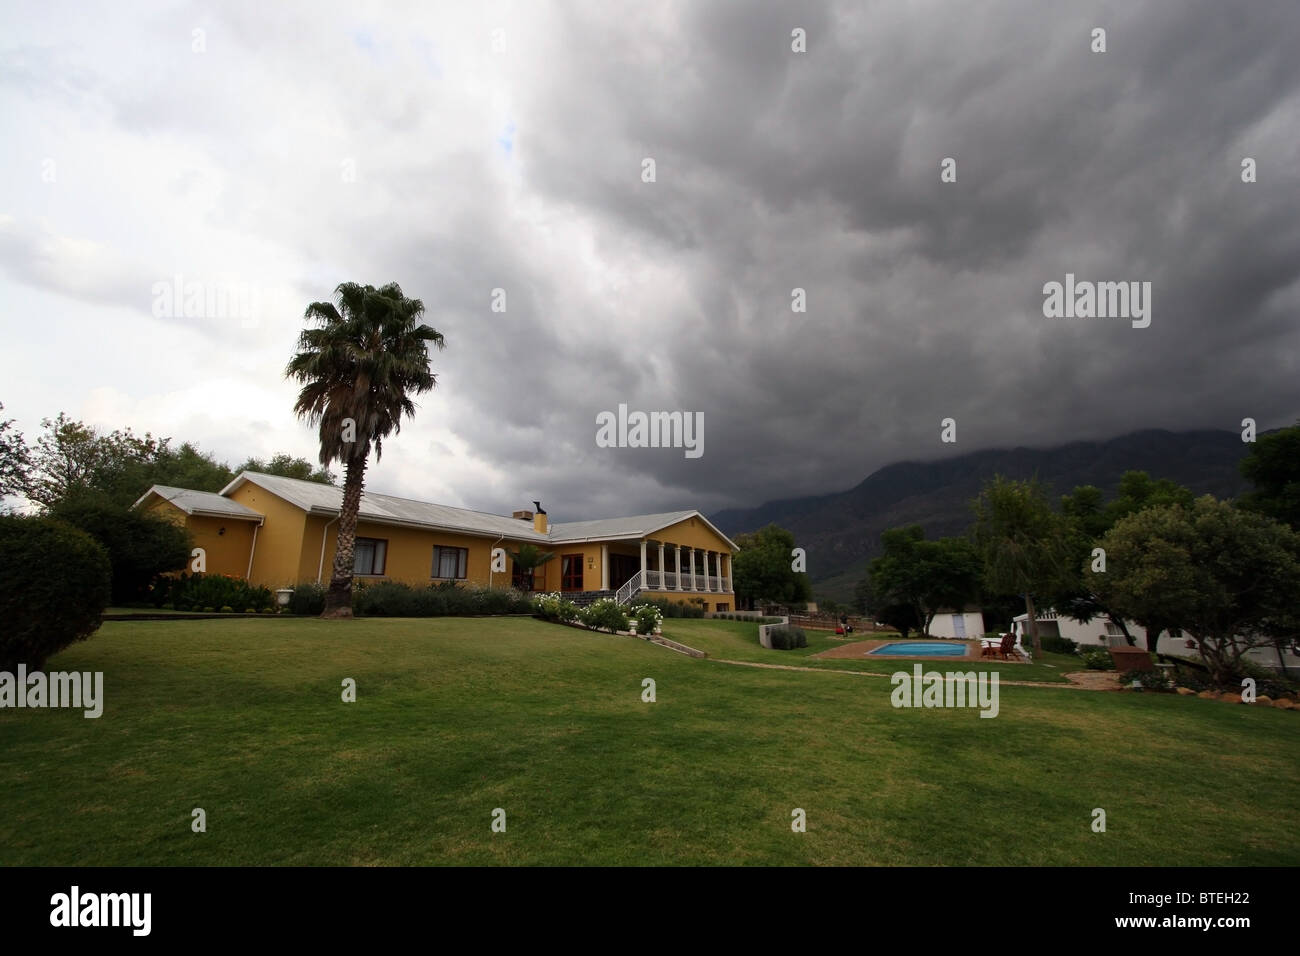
[[927, 649]]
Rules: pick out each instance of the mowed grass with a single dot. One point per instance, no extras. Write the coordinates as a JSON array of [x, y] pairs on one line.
[[457, 717], [738, 641]]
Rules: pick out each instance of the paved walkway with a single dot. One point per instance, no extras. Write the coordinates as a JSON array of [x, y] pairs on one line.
[[1081, 680]]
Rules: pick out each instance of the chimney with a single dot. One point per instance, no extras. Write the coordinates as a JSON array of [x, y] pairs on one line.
[[523, 515], [539, 520]]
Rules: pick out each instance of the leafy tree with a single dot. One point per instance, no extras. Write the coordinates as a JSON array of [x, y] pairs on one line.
[[1225, 576], [1272, 465], [184, 467], [762, 571], [926, 575], [140, 546], [1088, 520], [73, 459], [359, 369], [1024, 545], [527, 560], [901, 616], [289, 467], [56, 585], [15, 460]]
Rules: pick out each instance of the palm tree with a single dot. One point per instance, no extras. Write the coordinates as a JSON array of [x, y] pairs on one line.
[[358, 370], [529, 558]]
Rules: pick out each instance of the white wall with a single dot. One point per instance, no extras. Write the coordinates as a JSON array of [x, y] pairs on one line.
[[1094, 633], [944, 625]]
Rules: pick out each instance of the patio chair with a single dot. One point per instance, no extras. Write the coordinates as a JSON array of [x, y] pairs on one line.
[[990, 647], [1008, 648]]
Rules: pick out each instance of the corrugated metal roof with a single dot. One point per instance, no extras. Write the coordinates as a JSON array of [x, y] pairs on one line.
[[201, 502], [320, 498]]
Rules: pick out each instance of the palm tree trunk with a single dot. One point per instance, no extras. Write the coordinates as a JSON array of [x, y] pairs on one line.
[[338, 599], [1033, 624]]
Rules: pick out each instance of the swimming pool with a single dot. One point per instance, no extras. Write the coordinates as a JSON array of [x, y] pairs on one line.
[[919, 649]]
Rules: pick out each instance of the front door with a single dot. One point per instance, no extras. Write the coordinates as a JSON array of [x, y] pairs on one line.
[[621, 569]]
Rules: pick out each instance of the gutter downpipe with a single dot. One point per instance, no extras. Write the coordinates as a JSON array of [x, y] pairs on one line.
[[320, 568], [252, 551]]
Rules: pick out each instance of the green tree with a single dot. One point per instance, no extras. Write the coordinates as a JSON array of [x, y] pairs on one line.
[[1089, 519], [289, 467], [140, 546], [15, 460], [527, 560], [1272, 465], [926, 575], [73, 459], [762, 570], [1225, 576], [900, 616], [56, 585], [1023, 544], [359, 369]]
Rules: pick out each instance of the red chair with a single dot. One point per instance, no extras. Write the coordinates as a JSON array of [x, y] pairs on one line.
[[1008, 648]]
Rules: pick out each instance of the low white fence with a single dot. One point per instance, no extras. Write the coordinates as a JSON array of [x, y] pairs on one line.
[[765, 631]]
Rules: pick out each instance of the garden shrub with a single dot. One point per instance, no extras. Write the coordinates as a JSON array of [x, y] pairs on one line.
[[1054, 645], [192, 591], [555, 607], [676, 608], [57, 582], [648, 617], [227, 609], [787, 638], [308, 598], [1149, 680], [604, 614], [140, 546], [397, 599], [1097, 660]]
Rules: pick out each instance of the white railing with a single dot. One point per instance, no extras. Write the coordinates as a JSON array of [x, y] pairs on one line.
[[630, 588], [652, 581]]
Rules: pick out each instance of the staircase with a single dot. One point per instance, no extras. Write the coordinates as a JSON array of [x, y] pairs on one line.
[[633, 587]]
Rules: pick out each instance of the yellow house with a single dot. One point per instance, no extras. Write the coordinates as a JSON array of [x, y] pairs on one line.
[[279, 531]]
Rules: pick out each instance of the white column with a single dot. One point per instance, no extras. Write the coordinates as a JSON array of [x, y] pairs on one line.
[[694, 586], [643, 568], [727, 571], [708, 582], [662, 584], [677, 586], [604, 567]]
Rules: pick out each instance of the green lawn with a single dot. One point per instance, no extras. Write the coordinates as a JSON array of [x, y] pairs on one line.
[[738, 641], [456, 717]]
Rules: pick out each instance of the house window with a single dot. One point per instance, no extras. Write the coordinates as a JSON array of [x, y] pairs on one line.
[[369, 555], [724, 607], [450, 562], [571, 572]]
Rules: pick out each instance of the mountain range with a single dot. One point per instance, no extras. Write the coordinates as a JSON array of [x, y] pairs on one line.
[[841, 531]]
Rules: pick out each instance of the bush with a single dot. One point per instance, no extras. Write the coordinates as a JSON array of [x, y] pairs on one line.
[[1097, 660], [250, 610], [1056, 645], [140, 546], [190, 591], [308, 598], [396, 599], [57, 582], [787, 638], [676, 608], [555, 607], [227, 609], [1149, 680], [648, 617], [604, 614]]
